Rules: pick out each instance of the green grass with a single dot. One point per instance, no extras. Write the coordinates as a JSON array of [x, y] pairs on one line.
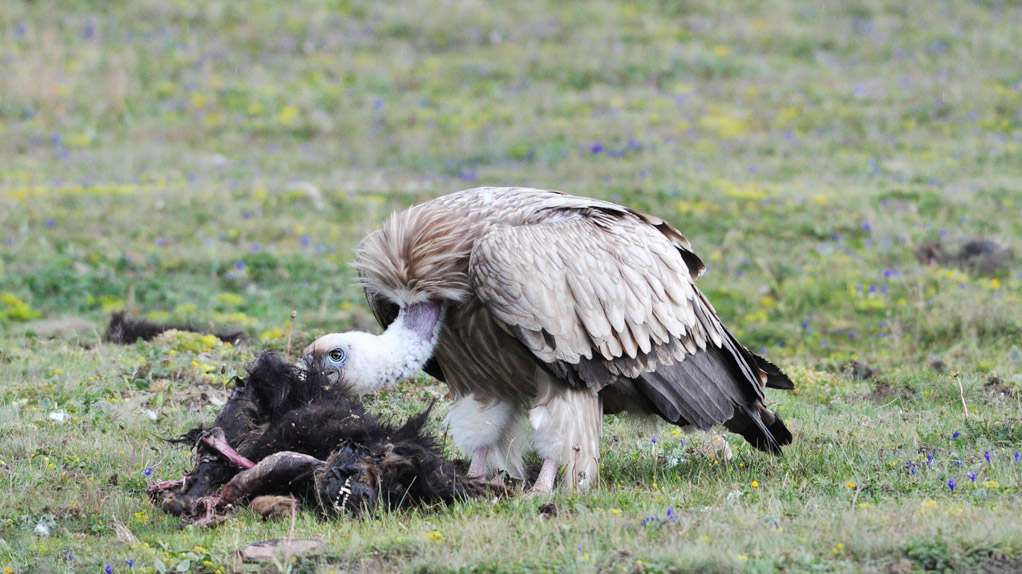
[[217, 163]]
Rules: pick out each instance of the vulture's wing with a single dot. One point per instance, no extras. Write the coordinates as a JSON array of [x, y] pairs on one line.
[[606, 298]]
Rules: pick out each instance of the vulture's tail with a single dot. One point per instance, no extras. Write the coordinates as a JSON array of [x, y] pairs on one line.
[[715, 386], [753, 426]]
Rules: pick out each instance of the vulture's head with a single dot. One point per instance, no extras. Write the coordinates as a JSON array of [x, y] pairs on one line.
[[364, 363], [349, 359]]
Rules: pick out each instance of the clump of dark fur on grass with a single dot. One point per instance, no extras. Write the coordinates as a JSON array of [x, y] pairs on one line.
[[286, 431], [124, 330], [978, 256]]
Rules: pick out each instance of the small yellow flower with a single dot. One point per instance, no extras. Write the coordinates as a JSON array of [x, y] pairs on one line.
[[654, 485], [287, 115], [434, 536], [850, 484], [838, 548], [615, 511], [743, 557], [755, 484]]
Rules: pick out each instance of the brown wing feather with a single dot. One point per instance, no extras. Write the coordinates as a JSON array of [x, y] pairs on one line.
[[576, 288]]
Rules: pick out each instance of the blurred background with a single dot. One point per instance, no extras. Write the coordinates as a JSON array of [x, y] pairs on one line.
[[198, 151], [850, 171]]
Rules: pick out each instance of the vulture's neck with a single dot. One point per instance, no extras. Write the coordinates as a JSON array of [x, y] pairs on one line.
[[403, 349]]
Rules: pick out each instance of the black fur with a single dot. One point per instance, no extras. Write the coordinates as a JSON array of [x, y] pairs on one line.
[[279, 408], [123, 330]]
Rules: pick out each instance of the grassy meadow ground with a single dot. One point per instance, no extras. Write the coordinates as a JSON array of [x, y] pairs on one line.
[[217, 162]]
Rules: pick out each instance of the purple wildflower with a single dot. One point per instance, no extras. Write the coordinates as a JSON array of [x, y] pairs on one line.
[[951, 483], [959, 463], [682, 441], [50, 223], [972, 476], [671, 516], [929, 458], [1018, 458], [653, 439], [109, 569], [866, 226], [239, 265], [596, 148], [986, 455], [956, 435], [148, 471]]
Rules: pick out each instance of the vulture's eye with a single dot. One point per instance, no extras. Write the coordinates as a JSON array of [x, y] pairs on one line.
[[336, 356]]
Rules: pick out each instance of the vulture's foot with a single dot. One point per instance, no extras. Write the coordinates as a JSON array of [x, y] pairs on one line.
[[545, 481], [216, 441]]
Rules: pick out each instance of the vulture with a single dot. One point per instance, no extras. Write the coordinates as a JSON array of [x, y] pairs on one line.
[[542, 311]]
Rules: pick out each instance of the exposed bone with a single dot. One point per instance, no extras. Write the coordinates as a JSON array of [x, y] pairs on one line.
[[156, 488], [217, 442]]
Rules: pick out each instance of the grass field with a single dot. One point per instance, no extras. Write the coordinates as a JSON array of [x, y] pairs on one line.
[[217, 163]]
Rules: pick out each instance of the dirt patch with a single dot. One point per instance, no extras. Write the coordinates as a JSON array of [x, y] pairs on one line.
[[884, 393], [997, 388]]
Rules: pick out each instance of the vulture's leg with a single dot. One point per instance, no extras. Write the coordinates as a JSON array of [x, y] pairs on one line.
[[481, 426], [478, 467], [567, 424]]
